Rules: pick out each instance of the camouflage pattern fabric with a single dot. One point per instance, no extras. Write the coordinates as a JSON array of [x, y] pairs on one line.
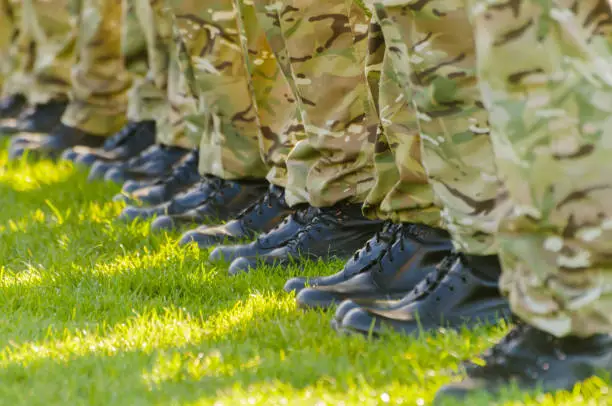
[[133, 42], [401, 192], [173, 127], [51, 26], [148, 97], [276, 108], [100, 81], [548, 87], [17, 67], [9, 26], [321, 46], [211, 60], [434, 59]]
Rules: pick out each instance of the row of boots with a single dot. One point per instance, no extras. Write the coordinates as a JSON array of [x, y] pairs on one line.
[[402, 278]]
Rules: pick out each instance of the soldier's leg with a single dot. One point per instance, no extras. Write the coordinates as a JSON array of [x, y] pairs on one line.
[[162, 97], [99, 85], [41, 63], [53, 29], [213, 79], [100, 80], [434, 58], [545, 87], [146, 99], [8, 29], [12, 63], [277, 117], [321, 48], [401, 193]]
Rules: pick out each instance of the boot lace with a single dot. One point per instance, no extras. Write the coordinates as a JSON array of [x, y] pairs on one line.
[[301, 215], [388, 232], [323, 218], [435, 278], [256, 209]]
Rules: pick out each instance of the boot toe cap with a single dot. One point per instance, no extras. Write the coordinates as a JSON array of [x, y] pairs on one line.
[[163, 223], [360, 321], [98, 171], [312, 298], [114, 175], [341, 311], [202, 238], [86, 159], [242, 265], [295, 285], [132, 213], [221, 254]]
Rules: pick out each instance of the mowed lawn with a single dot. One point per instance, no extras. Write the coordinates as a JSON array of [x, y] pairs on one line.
[[98, 312]]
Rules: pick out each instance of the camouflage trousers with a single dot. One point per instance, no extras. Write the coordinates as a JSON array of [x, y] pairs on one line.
[[42, 53], [100, 80], [212, 61], [18, 53], [401, 192], [321, 47], [434, 64], [160, 94], [276, 107], [9, 26], [548, 89]]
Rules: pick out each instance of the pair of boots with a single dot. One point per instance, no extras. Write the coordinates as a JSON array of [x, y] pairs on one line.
[[256, 209], [407, 279]]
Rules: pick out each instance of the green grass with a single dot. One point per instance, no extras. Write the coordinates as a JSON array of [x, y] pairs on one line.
[[103, 313]]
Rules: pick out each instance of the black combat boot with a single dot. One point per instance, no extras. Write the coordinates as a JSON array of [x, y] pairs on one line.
[[179, 204], [53, 145], [360, 262], [259, 218], [183, 176], [153, 163], [267, 242], [531, 360], [40, 119], [224, 203], [455, 295], [130, 141], [335, 232], [413, 253]]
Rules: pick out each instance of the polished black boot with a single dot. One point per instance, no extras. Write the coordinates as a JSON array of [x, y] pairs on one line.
[[183, 176], [455, 295], [179, 204], [40, 118], [11, 106], [413, 253], [360, 262], [153, 163], [225, 202], [267, 242], [259, 218], [531, 360], [335, 232], [130, 141], [51, 146]]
